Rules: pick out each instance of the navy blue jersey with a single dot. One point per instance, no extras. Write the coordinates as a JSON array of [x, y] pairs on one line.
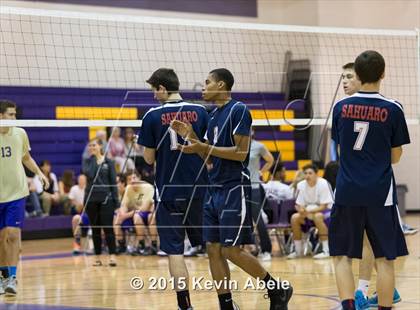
[[232, 119], [366, 126], [177, 174]]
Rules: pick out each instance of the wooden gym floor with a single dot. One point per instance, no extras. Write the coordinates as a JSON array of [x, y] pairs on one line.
[[50, 278]]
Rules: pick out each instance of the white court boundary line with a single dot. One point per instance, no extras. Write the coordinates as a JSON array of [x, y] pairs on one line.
[[137, 123], [200, 23]]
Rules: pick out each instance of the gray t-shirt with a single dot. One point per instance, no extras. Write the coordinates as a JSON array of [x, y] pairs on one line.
[[255, 154]]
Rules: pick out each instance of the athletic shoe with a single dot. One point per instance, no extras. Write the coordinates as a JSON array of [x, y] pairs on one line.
[[2, 282], [153, 249], [11, 286], [321, 255], [373, 301], [121, 249], [407, 230], [76, 248], [279, 299], [265, 257], [191, 252], [147, 251], [294, 255], [161, 253], [361, 301]]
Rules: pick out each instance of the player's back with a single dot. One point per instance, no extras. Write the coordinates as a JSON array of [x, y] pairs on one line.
[[176, 173], [367, 126]]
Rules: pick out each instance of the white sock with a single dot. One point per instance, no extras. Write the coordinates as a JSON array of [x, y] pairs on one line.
[[298, 247], [325, 247], [364, 286]]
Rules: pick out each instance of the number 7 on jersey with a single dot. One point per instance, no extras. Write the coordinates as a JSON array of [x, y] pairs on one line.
[[362, 128]]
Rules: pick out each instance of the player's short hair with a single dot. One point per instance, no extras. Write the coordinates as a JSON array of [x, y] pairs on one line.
[[6, 104], [122, 178], [277, 168], [45, 162], [165, 77], [369, 67], [349, 65], [224, 75], [310, 166]]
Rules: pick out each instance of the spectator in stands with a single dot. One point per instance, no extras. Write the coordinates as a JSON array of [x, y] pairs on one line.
[[64, 186], [116, 151], [313, 205], [298, 177], [51, 196], [275, 188], [33, 199], [132, 149], [257, 152], [330, 173], [101, 135], [76, 196], [101, 199]]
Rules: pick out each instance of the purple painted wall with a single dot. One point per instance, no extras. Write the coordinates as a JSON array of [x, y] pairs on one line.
[[246, 8]]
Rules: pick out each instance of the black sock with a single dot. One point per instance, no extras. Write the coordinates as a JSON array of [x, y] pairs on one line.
[[154, 243], [268, 278], [348, 304], [225, 301], [141, 244], [184, 301], [384, 308], [121, 243]]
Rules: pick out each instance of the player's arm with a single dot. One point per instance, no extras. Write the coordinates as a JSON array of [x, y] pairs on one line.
[[268, 158], [238, 152], [396, 153], [299, 208], [30, 163], [149, 155]]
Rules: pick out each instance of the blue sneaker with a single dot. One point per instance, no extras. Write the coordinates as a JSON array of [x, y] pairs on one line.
[[373, 301], [360, 300]]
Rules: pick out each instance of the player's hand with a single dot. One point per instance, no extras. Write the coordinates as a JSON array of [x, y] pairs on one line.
[[44, 180], [194, 147], [184, 129]]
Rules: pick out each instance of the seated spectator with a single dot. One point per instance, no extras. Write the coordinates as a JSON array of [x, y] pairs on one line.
[[33, 199], [76, 196], [101, 135], [137, 210], [51, 196], [64, 185], [313, 204], [276, 189], [116, 151]]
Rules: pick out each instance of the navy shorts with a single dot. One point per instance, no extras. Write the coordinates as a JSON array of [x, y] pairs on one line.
[[228, 216], [174, 219], [382, 226], [12, 213]]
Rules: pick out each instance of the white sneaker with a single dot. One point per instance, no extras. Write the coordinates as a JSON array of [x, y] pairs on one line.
[[161, 253], [11, 286], [294, 255], [2, 282], [265, 257], [235, 306], [322, 255]]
